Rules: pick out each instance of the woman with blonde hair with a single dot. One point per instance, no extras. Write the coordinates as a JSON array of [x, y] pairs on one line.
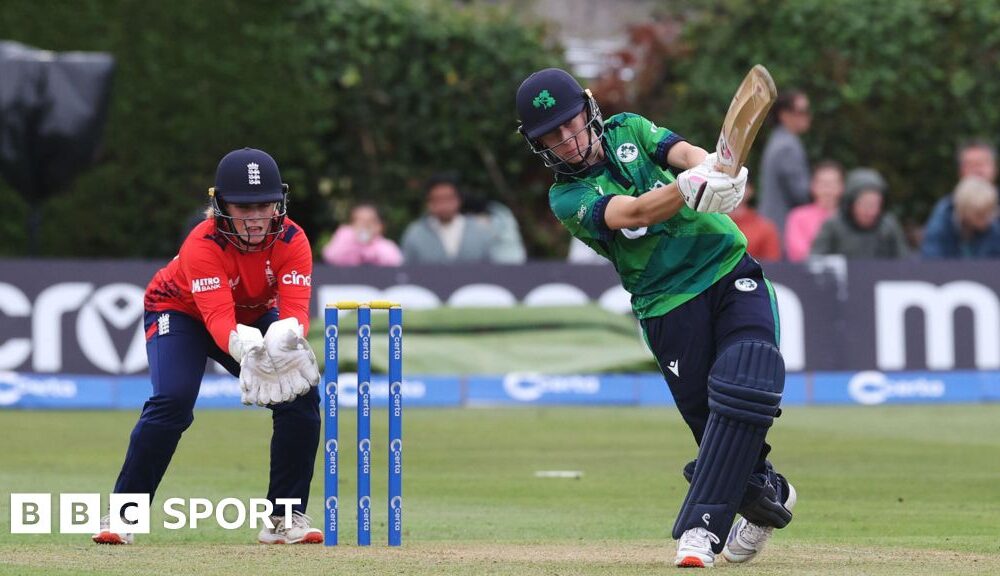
[[965, 224]]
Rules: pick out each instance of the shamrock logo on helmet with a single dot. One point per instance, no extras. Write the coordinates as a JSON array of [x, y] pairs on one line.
[[544, 100]]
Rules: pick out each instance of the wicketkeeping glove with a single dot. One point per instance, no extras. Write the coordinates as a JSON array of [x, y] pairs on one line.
[[293, 359], [258, 380]]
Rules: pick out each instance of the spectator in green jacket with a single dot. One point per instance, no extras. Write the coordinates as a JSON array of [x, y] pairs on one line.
[[862, 228]]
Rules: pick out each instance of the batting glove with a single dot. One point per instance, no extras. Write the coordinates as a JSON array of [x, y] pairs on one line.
[[707, 190]]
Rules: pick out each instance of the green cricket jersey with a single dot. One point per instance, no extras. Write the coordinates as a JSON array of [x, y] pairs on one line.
[[666, 264]]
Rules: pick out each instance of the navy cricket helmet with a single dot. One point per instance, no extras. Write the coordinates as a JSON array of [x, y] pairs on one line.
[[548, 99], [248, 176]]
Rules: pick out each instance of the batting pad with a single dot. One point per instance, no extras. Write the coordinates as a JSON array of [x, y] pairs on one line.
[[744, 393]]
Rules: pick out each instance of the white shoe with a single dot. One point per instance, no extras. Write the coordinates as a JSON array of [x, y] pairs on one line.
[[694, 550], [106, 536], [747, 539], [298, 532]]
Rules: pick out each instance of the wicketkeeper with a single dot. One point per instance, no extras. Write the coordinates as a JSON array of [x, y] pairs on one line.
[[706, 309], [238, 292]]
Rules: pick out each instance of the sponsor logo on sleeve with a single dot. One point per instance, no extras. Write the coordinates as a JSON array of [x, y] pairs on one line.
[[293, 278], [205, 284]]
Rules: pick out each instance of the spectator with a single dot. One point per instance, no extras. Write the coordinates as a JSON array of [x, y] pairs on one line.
[[761, 233], [977, 158], [964, 224], [443, 235], [784, 169], [804, 222], [361, 242], [862, 228], [507, 246]]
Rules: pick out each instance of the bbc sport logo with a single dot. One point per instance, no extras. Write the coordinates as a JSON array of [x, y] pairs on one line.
[[80, 513]]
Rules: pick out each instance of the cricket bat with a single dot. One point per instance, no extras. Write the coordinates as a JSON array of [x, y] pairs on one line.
[[746, 113]]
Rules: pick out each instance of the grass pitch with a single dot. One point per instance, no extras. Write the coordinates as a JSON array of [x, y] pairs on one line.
[[888, 490]]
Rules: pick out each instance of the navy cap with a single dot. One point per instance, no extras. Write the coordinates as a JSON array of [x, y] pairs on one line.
[[547, 99], [249, 176]]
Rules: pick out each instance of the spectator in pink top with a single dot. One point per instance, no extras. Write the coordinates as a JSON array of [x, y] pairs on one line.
[[360, 241], [804, 222]]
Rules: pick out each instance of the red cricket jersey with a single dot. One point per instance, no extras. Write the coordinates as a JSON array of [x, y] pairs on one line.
[[211, 280]]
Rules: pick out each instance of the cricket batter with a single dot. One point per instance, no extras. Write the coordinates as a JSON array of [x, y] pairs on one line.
[[706, 310], [244, 271]]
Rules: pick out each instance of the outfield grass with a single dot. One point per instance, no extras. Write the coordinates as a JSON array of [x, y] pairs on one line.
[[888, 490]]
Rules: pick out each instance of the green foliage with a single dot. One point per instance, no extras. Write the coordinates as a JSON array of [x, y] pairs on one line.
[[193, 81], [893, 85], [356, 99], [415, 87]]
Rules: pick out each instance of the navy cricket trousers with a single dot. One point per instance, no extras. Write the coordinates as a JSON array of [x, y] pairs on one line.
[[687, 340], [178, 347]]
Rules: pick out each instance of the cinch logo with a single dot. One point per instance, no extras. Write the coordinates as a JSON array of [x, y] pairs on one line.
[[873, 387], [205, 284], [293, 278]]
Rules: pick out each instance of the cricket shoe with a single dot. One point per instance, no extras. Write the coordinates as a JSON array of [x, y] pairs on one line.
[[298, 531], [106, 536], [694, 550], [747, 539]]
